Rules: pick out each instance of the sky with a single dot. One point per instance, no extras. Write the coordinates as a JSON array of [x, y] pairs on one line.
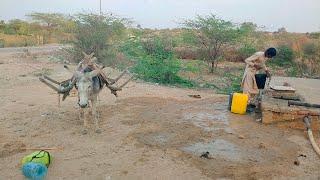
[[294, 15]]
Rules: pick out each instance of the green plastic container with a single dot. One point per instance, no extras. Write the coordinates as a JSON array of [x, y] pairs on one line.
[[42, 157]]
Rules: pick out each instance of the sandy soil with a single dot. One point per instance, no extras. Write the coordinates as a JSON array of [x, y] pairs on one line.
[[149, 132]]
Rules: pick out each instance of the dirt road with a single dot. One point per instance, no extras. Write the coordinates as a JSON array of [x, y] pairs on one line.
[[149, 132]]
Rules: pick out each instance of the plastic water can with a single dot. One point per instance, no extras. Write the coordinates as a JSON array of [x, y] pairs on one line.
[[239, 103]]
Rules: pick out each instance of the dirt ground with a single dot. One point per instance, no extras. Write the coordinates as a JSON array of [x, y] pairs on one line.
[[148, 132]]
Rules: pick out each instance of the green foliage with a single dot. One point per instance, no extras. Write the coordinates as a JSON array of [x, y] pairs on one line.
[[95, 33], [157, 64], [311, 53], [213, 34], [9, 30], [246, 51], [48, 19], [310, 50], [132, 48], [249, 36], [284, 58], [15, 26], [315, 35], [293, 70], [155, 61], [1, 43], [188, 37], [2, 26], [233, 83], [248, 28], [192, 66]]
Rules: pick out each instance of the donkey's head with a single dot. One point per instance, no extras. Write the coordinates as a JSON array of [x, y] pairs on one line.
[[88, 59], [85, 86]]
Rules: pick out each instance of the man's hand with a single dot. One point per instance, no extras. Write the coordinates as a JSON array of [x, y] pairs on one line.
[[257, 67]]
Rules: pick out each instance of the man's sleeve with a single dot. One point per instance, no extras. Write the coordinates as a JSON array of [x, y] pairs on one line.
[[250, 60]]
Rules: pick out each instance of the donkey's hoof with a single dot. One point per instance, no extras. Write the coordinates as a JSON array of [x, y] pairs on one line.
[[98, 131], [84, 132]]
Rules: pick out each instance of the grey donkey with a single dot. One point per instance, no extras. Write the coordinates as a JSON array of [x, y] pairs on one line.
[[88, 83], [89, 86]]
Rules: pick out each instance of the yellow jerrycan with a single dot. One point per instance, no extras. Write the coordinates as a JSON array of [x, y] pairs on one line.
[[239, 103]]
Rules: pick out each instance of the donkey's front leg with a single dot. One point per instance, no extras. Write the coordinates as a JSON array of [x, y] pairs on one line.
[[85, 122], [96, 115]]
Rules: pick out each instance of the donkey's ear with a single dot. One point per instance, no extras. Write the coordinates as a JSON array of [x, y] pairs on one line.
[[91, 55], [94, 73], [85, 54]]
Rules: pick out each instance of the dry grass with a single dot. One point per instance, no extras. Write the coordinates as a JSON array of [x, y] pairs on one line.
[[31, 40], [18, 40]]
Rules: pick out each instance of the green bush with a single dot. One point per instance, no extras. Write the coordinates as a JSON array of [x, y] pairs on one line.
[[246, 51], [9, 30], [155, 61], [310, 49], [1, 43], [284, 58], [233, 83], [311, 53]]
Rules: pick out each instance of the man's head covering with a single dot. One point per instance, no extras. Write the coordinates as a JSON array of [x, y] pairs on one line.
[[270, 52]]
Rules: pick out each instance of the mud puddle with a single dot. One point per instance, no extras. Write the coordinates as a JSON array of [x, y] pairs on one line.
[[210, 119], [221, 148]]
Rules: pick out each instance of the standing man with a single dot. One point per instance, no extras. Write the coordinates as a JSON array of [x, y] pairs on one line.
[[255, 63]]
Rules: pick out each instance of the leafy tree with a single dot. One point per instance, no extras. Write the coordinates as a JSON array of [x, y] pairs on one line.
[[213, 34], [247, 41], [95, 33], [248, 27], [249, 33], [51, 23], [2, 26], [49, 20], [282, 30]]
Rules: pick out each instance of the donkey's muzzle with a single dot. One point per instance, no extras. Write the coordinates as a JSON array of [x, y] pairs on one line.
[[83, 105]]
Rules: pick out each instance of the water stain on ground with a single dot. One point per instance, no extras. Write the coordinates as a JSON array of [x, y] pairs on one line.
[[205, 125], [209, 121], [218, 147], [223, 149]]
